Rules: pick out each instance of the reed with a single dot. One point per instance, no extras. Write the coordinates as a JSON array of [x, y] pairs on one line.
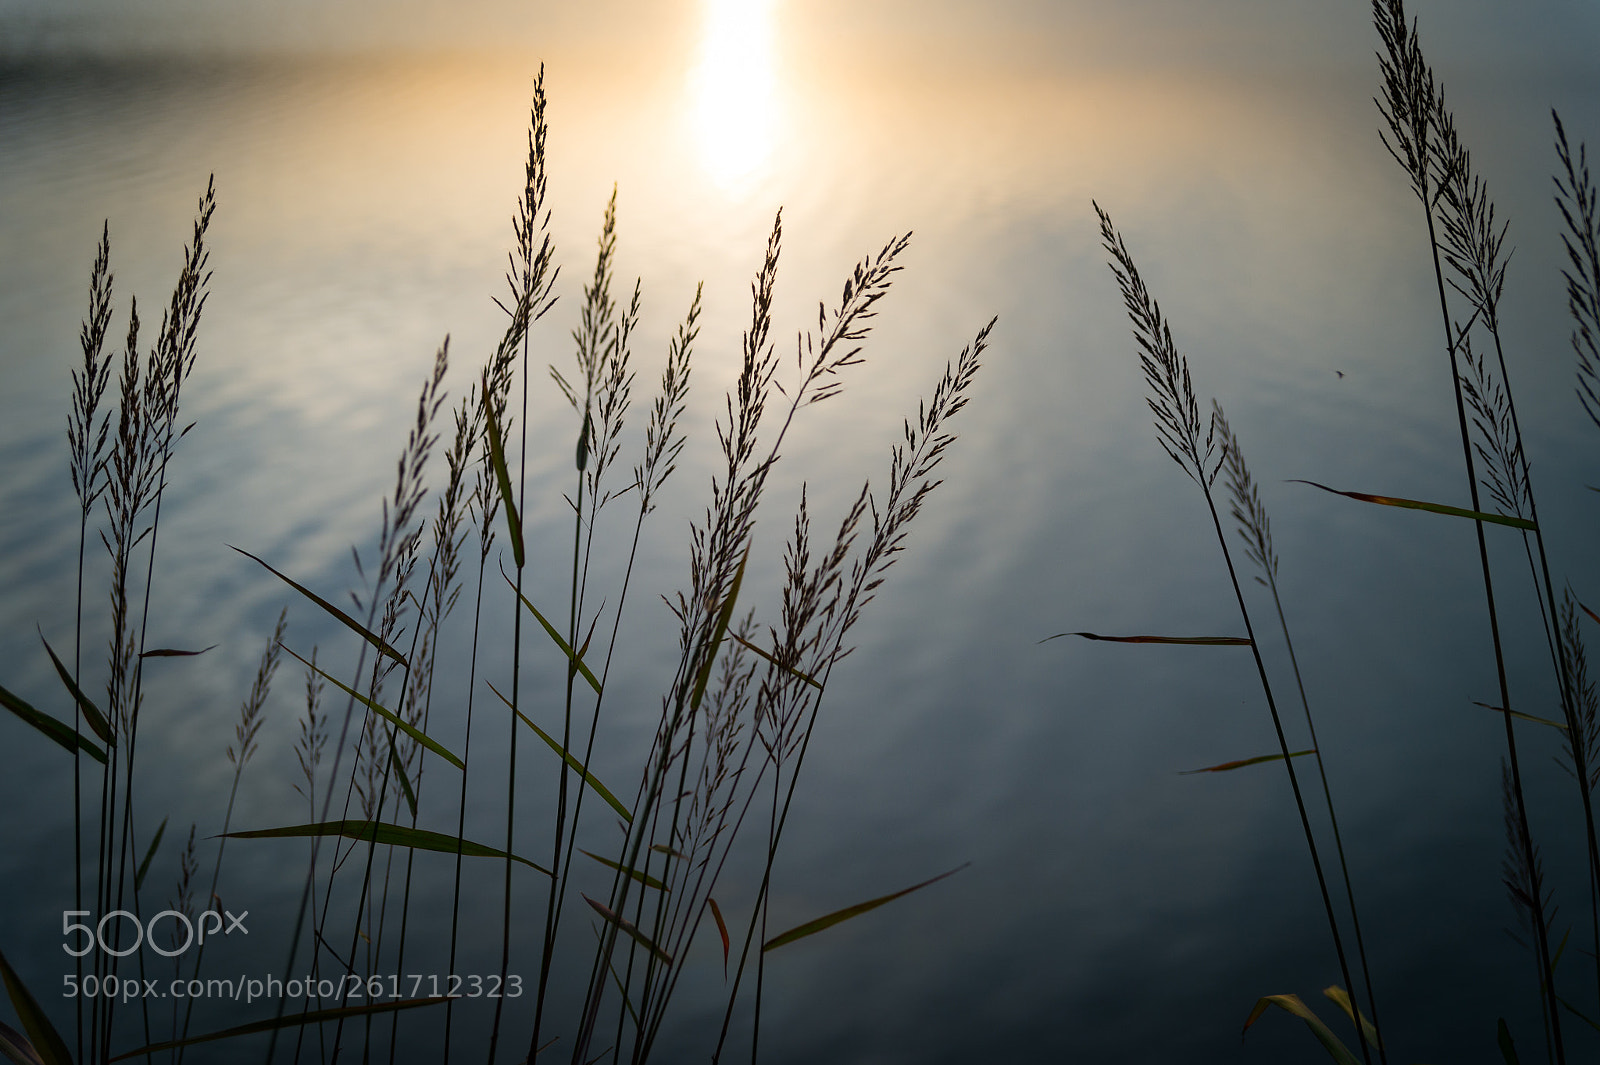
[[721, 751], [1179, 428]]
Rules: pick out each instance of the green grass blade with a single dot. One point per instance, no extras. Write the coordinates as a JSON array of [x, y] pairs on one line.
[[1433, 508], [292, 1020], [351, 623], [642, 878], [628, 927], [387, 714], [576, 766], [91, 713], [787, 669], [662, 848], [50, 726], [1341, 998], [1241, 763], [811, 928], [717, 634], [47, 1042], [405, 781], [144, 866], [1198, 641], [15, 1047], [1291, 1003], [1508, 1049], [173, 652], [1525, 717], [572, 656], [497, 457], [722, 930], [389, 835]]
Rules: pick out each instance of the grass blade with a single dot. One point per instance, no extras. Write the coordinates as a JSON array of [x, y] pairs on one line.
[[390, 835], [1241, 763], [1434, 508], [1206, 641], [350, 622], [91, 713], [405, 781], [1291, 1003], [649, 881], [811, 928], [576, 766], [717, 634], [172, 652], [1525, 717], [1340, 997], [387, 714], [15, 1047], [1508, 1049], [722, 930], [51, 727], [288, 1021], [144, 866], [628, 927], [566, 648], [497, 456], [47, 1042], [787, 669]]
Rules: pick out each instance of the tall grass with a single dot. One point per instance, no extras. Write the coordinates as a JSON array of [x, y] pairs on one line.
[[723, 753], [1465, 246]]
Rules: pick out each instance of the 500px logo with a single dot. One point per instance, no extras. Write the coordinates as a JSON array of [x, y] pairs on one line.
[[193, 931]]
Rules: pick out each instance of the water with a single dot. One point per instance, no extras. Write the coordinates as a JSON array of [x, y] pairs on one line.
[[1113, 910]]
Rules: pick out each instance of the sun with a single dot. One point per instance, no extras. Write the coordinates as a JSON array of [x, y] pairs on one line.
[[733, 90]]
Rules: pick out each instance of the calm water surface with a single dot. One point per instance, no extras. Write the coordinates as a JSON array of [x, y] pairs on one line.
[[1113, 910]]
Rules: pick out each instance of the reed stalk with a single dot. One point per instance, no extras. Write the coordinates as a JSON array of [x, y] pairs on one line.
[[1178, 428], [1421, 138]]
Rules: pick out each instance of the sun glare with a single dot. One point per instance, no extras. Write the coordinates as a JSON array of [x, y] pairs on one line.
[[733, 90]]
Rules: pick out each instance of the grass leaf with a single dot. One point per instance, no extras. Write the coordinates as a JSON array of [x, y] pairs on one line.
[[787, 669], [566, 648], [1434, 508], [717, 634], [387, 714], [291, 1020], [172, 652], [497, 456], [1525, 717], [390, 835], [15, 1047], [91, 713], [1209, 641], [1341, 998], [351, 623], [649, 881], [628, 927], [811, 928], [1241, 763], [576, 766], [1291, 1003], [144, 866], [405, 781], [47, 1042], [50, 726], [722, 929], [1508, 1049]]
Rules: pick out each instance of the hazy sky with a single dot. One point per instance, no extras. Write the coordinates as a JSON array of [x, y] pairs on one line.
[[1034, 31]]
